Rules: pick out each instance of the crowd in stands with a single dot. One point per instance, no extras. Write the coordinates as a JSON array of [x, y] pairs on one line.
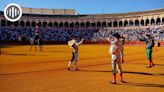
[[90, 35], [132, 33]]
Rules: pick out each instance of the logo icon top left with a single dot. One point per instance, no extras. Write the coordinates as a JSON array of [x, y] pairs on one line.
[[13, 12]]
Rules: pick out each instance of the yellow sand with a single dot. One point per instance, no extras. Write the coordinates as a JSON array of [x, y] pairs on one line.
[[22, 70]]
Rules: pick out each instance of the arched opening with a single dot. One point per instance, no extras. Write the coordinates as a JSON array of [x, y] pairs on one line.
[[125, 23], [39, 24], [50, 24], [152, 21], [87, 24], [28, 24], [158, 21], [72, 25], [98, 24], [110, 24], [82, 24], [147, 22], [16, 24], [9, 23], [115, 24], [136, 22], [3, 23], [104, 24], [142, 22], [131, 23], [163, 20], [22, 24], [93, 24], [55, 24], [33, 24], [66, 24], [120, 24], [77, 24], [44, 24], [61, 24]]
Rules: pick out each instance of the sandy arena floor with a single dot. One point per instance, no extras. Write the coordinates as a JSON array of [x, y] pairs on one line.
[[22, 70]]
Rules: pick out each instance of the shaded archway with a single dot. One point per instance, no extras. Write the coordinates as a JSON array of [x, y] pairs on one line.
[[77, 24], [131, 23], [152, 21], [98, 24], [136, 22], [66, 24], [33, 24], [50, 24], [82, 24], [120, 24], [28, 24], [125, 23], [158, 21], [87, 24], [110, 24], [22, 24], [9, 23], [93, 24], [72, 25], [39, 24], [61, 24], [163, 20], [147, 22], [3, 23], [44, 24], [55, 24], [104, 24], [142, 22], [115, 24], [16, 24]]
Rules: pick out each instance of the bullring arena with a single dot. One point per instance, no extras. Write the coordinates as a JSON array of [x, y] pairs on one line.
[[22, 70]]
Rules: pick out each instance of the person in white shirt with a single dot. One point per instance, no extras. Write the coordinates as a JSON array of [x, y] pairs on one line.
[[116, 58], [73, 44]]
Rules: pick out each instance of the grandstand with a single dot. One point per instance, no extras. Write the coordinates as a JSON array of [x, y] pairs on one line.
[[25, 69], [60, 25]]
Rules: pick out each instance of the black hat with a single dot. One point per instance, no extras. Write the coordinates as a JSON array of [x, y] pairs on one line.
[[117, 35]]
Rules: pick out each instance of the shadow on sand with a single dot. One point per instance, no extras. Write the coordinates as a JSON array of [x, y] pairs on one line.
[[142, 84], [60, 51], [128, 72], [22, 54]]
